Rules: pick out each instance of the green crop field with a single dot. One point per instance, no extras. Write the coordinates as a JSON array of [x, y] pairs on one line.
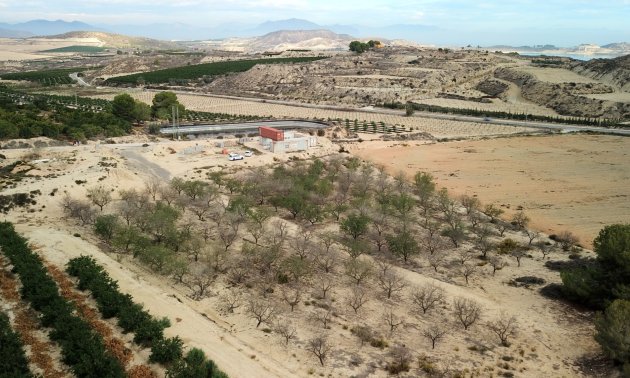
[[46, 77], [200, 70], [76, 49]]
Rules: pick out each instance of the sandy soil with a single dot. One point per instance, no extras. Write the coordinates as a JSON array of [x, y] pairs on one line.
[[556, 75], [545, 326], [569, 182], [16, 49]]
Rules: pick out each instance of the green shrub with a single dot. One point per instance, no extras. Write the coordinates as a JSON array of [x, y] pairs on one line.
[[81, 348], [13, 361], [166, 351]]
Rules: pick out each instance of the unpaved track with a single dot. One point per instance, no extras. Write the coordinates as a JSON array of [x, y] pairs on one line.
[[230, 354]]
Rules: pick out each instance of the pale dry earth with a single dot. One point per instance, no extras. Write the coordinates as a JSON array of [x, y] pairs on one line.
[[564, 182], [546, 327]]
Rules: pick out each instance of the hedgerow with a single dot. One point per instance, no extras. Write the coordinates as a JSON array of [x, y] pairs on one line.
[[13, 362], [149, 331], [82, 348]]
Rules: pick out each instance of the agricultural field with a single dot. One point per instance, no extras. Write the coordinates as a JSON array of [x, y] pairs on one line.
[[565, 182], [200, 70], [279, 289], [89, 346], [44, 77], [76, 49], [436, 128]]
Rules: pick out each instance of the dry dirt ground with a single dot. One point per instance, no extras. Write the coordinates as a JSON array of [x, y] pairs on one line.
[[563, 182], [546, 327]]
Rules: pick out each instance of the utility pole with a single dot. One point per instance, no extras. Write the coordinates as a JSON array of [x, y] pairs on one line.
[[175, 115]]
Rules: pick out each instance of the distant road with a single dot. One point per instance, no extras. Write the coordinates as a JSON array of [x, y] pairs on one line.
[[243, 127], [453, 117], [75, 76]]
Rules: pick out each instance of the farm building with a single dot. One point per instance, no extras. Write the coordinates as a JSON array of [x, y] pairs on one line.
[[279, 141]]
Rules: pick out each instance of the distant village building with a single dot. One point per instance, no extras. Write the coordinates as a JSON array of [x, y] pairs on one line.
[[279, 141]]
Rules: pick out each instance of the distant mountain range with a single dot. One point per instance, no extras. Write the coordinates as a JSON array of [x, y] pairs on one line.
[[42, 28], [184, 32], [180, 31]]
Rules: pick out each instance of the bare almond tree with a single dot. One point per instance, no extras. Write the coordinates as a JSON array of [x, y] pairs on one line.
[[323, 316], [359, 270], [464, 256], [292, 295], [567, 240], [100, 196], [532, 235], [436, 260], [466, 311], [168, 194], [434, 333], [320, 347], [227, 231], [434, 243], [326, 260], [153, 187], [497, 263], [504, 327], [392, 321], [358, 297], [520, 220], [518, 254], [389, 280], [470, 203], [401, 359], [545, 248], [325, 283], [427, 297], [261, 309], [200, 281], [287, 331], [255, 230], [302, 244], [467, 270], [231, 300]]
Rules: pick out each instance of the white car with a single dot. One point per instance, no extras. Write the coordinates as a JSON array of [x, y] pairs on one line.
[[248, 153], [234, 156]]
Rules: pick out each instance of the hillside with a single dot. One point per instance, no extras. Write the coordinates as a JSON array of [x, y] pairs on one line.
[[117, 40], [613, 71], [321, 39]]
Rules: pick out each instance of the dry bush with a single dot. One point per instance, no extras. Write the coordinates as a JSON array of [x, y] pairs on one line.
[[287, 331], [320, 347], [231, 300], [141, 371], [263, 310], [434, 333], [466, 311], [389, 280], [357, 298], [504, 327], [427, 297]]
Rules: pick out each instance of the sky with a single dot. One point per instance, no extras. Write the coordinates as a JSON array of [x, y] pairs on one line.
[[563, 22]]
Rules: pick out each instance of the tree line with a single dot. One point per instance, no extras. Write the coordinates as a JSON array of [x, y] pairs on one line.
[[410, 107], [603, 283], [82, 348], [133, 318]]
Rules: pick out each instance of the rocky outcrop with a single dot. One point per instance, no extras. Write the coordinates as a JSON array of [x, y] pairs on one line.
[[614, 71], [566, 98], [493, 88]]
